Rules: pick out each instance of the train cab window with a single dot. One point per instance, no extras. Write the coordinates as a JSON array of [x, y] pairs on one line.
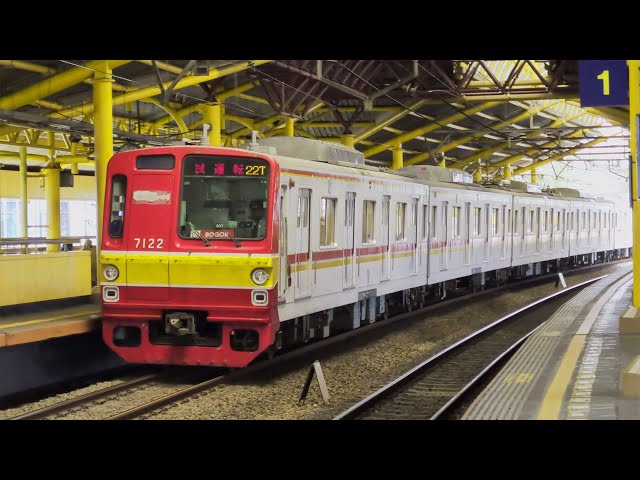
[[401, 210], [328, 222], [224, 197], [118, 196], [477, 222], [368, 210], [455, 219]]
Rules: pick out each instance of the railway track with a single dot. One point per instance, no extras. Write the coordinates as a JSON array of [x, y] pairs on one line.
[[433, 388], [172, 394]]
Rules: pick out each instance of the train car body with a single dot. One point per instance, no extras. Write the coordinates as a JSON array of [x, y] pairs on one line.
[[213, 256]]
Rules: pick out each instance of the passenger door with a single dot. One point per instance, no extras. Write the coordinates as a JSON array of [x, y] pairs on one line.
[[349, 257], [385, 257], [285, 272], [303, 245]]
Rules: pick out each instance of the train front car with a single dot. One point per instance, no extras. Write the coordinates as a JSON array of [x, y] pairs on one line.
[[189, 256]]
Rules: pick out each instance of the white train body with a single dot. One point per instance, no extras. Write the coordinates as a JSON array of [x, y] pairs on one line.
[[353, 236]]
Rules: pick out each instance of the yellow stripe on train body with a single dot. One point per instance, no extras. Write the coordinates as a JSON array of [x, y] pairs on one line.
[[196, 270]]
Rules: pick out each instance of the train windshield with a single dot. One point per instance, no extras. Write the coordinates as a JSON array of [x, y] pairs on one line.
[[224, 197]]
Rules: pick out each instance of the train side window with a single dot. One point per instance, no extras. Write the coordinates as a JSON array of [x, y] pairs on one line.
[[455, 217], [118, 196], [401, 210], [328, 222], [368, 211]]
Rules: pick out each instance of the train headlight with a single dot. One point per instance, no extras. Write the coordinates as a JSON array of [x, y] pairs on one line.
[[110, 272], [259, 276]]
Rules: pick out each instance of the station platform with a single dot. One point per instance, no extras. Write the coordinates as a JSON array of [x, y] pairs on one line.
[[24, 328], [577, 366]]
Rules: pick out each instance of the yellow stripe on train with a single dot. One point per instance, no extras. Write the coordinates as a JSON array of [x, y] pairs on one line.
[[209, 270]]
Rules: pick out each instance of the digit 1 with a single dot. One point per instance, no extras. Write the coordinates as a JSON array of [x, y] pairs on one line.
[[604, 76]]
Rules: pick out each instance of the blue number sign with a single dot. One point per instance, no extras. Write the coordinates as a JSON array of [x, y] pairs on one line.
[[603, 83]]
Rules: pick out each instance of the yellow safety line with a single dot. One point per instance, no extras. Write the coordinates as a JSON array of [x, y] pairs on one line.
[[41, 320], [550, 409], [552, 403]]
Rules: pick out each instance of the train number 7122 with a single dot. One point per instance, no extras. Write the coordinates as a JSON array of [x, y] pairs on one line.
[[149, 242]]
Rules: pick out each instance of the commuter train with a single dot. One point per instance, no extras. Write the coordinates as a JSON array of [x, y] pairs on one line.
[[214, 256]]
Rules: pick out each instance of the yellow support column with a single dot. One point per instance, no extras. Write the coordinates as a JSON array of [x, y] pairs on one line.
[[398, 161], [103, 132], [348, 140], [477, 176], [211, 115], [534, 176], [52, 191], [629, 321], [288, 127], [442, 163], [508, 173], [23, 191]]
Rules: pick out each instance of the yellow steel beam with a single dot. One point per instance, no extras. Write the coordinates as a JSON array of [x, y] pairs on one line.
[[146, 92], [495, 126], [312, 124], [429, 127], [54, 84], [485, 154], [103, 133], [634, 111], [163, 66], [533, 151], [269, 121], [557, 156], [386, 122], [172, 113], [614, 115], [253, 98], [247, 122]]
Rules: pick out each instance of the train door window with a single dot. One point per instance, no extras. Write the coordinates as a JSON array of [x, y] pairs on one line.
[[558, 219], [509, 220], [368, 212], [477, 213], [425, 222], [515, 222], [303, 209], [575, 216], [401, 211], [434, 213], [386, 235], [604, 219], [486, 231], [530, 224], [455, 219], [118, 197], [328, 222], [584, 220], [494, 221], [594, 220]]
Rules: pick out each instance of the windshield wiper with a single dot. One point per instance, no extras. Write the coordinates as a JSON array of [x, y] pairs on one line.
[[235, 240], [207, 243]]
